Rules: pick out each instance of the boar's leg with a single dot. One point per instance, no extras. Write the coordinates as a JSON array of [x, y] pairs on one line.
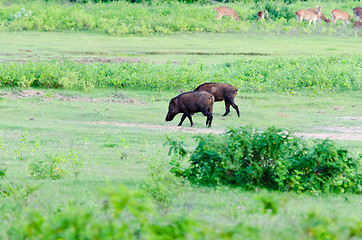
[[209, 117], [230, 101], [227, 108], [183, 118], [235, 107], [190, 118]]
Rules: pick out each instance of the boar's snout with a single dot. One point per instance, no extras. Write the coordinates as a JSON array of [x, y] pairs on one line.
[[169, 117]]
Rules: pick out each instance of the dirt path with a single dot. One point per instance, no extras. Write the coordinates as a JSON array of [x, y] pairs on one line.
[[342, 133]]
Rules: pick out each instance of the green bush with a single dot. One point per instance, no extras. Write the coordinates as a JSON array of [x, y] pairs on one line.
[[273, 159], [52, 167]]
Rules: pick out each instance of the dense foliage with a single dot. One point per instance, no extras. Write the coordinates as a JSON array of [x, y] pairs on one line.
[[262, 74], [273, 159], [119, 18]]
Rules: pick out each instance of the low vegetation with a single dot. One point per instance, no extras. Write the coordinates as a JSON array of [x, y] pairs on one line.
[[315, 74], [148, 18]]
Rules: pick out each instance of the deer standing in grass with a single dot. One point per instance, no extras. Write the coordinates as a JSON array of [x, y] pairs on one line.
[[315, 10], [339, 14], [308, 15], [260, 15], [357, 12], [357, 25], [226, 11]]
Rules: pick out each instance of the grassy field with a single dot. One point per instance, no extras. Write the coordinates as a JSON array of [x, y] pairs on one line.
[[123, 142], [189, 47], [103, 137]]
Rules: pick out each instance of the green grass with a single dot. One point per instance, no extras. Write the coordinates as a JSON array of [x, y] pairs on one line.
[[59, 127], [170, 47], [129, 146]]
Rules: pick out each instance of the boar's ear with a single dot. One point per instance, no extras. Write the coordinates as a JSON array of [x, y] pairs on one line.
[[172, 102]]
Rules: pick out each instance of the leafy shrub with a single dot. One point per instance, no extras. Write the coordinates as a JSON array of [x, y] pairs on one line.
[[273, 159], [277, 10], [47, 168], [22, 14]]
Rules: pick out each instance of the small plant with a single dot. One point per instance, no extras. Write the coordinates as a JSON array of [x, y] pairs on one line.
[[270, 204], [1, 144], [163, 187], [122, 149], [76, 163], [22, 14], [3, 189], [52, 167], [23, 146]]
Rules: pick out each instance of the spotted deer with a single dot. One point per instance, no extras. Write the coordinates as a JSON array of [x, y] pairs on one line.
[[302, 14], [315, 10], [357, 12], [260, 15], [357, 25], [226, 11], [339, 14]]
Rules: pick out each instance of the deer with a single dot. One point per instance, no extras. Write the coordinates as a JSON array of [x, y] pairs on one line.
[[226, 11], [339, 14], [357, 25], [315, 10], [308, 15], [260, 15], [357, 12]]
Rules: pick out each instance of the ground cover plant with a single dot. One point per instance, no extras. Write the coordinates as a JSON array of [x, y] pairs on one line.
[[118, 18]]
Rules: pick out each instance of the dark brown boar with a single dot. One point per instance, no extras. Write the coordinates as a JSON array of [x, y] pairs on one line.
[[221, 91], [189, 103]]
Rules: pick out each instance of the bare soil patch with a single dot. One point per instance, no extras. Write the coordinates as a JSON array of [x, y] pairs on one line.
[[161, 127], [115, 98], [348, 135]]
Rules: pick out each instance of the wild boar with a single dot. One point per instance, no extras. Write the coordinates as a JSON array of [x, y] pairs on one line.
[[189, 103], [221, 91]]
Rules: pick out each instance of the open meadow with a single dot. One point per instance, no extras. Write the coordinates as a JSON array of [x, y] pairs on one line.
[[86, 153]]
